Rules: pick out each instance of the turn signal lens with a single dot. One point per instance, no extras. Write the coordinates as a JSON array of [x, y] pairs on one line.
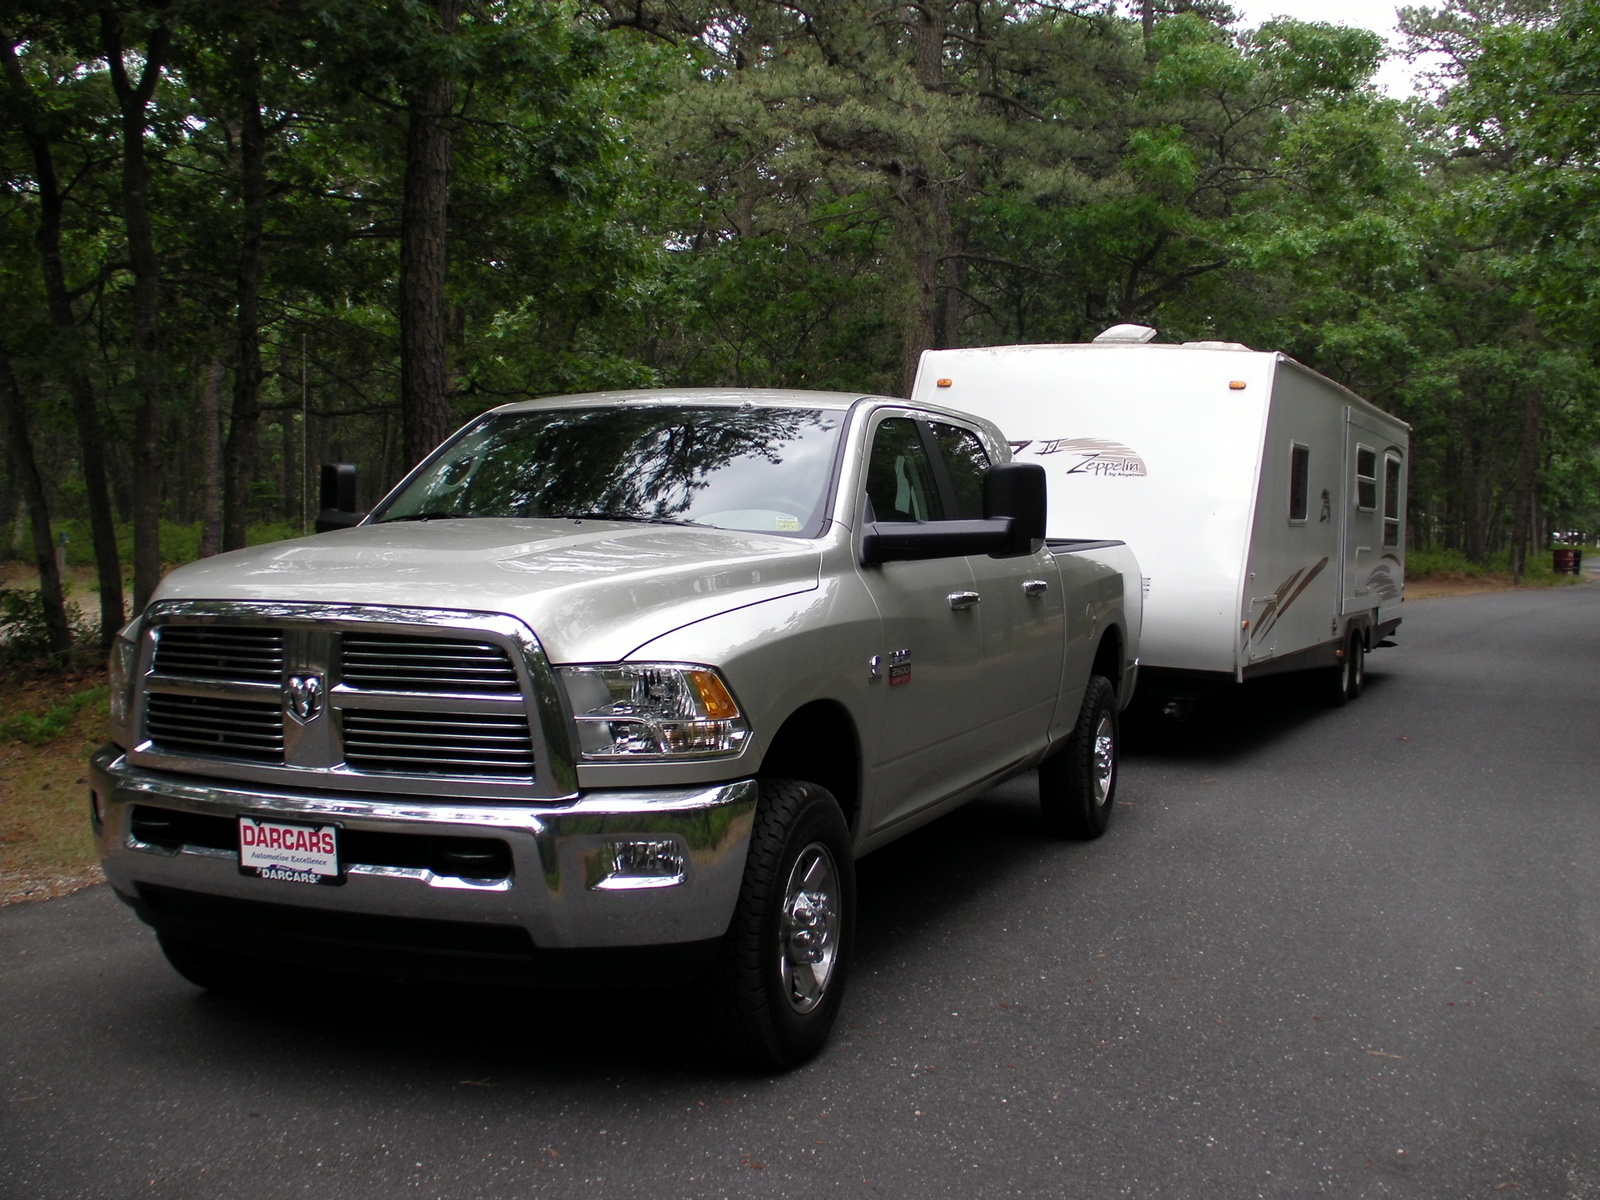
[[714, 698]]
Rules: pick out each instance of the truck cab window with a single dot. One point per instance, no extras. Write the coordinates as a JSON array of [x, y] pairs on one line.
[[1391, 500], [1299, 481], [965, 461], [900, 482], [1366, 478]]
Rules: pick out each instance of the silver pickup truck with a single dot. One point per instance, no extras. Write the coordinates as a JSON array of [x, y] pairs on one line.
[[611, 687]]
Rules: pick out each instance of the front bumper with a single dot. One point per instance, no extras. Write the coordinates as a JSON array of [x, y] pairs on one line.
[[563, 889]]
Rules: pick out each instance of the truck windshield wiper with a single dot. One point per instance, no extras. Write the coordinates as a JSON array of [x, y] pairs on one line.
[[427, 516], [632, 517]]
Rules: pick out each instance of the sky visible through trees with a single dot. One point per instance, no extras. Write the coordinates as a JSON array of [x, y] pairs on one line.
[[243, 239]]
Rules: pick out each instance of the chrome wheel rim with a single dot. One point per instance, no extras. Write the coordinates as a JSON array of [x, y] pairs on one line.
[[1105, 759], [1358, 664], [808, 928]]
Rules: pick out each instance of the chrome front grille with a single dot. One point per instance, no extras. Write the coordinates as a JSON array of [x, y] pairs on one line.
[[439, 743], [220, 652], [413, 664], [216, 725], [406, 701]]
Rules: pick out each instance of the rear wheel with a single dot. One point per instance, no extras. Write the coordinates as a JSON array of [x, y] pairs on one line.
[[1335, 686], [1356, 656], [1078, 785], [779, 977]]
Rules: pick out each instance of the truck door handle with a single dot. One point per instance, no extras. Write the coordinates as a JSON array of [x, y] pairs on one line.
[[1035, 587], [959, 600]]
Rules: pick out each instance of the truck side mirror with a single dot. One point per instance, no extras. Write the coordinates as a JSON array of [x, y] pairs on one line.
[[1017, 491], [338, 498]]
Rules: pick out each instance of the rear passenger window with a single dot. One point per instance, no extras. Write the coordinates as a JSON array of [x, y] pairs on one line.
[[966, 462], [1366, 478], [1299, 481], [900, 482]]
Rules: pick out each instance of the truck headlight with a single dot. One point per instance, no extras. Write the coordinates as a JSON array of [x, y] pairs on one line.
[[120, 677], [653, 710]]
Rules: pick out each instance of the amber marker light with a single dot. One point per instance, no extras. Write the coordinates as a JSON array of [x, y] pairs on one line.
[[1236, 385], [714, 695], [943, 382]]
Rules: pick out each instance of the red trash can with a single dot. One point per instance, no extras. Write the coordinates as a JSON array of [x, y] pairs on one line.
[[1567, 560]]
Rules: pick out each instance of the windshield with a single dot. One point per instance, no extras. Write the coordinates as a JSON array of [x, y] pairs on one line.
[[758, 469]]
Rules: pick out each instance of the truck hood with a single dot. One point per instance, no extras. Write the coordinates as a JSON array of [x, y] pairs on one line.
[[592, 591]]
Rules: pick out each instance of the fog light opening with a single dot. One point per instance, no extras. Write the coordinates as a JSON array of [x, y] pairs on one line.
[[643, 864]]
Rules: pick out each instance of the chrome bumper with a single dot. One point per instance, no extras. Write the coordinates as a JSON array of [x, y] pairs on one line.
[[566, 889]]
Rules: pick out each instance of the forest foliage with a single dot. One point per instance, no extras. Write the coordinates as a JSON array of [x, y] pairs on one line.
[[243, 239]]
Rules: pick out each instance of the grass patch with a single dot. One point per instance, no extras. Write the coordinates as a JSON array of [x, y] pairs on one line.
[[52, 726]]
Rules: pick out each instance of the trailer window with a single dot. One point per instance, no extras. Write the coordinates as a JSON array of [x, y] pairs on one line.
[[1366, 478], [1391, 500], [1299, 481]]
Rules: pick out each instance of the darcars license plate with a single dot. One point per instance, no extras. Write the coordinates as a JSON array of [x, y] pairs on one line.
[[287, 852]]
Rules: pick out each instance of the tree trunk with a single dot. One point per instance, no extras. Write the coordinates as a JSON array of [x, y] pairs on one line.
[[1527, 481], [134, 104], [934, 306], [69, 352], [424, 395], [211, 461], [243, 444], [26, 467]]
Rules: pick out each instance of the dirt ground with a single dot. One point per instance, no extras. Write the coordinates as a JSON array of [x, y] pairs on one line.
[[45, 846]]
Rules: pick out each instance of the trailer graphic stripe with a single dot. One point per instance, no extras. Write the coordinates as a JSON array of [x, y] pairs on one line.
[[1280, 605]]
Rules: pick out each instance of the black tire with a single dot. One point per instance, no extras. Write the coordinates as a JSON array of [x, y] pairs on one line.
[[779, 977], [1335, 685], [1356, 655], [1078, 784], [219, 971]]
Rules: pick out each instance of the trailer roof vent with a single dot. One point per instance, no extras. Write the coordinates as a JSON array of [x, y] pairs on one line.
[[1216, 345], [1129, 334]]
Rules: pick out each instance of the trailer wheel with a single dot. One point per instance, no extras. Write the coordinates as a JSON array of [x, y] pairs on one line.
[[1356, 656], [779, 977], [1078, 784], [1335, 685]]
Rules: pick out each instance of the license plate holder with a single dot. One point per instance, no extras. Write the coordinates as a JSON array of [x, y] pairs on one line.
[[290, 851]]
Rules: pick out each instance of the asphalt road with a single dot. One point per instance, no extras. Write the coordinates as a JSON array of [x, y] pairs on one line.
[[1348, 952]]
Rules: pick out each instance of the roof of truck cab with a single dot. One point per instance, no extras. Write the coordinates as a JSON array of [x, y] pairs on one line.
[[714, 397]]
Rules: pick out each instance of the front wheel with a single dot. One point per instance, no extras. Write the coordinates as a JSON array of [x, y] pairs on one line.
[[220, 971], [779, 977], [1078, 785]]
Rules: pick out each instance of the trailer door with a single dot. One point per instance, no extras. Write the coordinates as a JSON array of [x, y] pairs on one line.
[[1361, 521]]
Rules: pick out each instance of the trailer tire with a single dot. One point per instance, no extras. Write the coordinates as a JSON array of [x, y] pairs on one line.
[[1078, 784], [778, 979], [1356, 656], [1335, 685]]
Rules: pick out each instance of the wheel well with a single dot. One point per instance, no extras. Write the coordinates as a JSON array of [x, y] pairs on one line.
[[1108, 658], [818, 743]]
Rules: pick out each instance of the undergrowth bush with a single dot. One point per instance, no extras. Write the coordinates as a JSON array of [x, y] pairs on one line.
[[1452, 564], [25, 637]]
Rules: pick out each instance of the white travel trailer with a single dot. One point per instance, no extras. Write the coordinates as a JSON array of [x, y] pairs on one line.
[[1265, 503]]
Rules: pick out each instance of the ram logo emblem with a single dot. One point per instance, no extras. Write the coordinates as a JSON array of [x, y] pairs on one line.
[[304, 693]]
